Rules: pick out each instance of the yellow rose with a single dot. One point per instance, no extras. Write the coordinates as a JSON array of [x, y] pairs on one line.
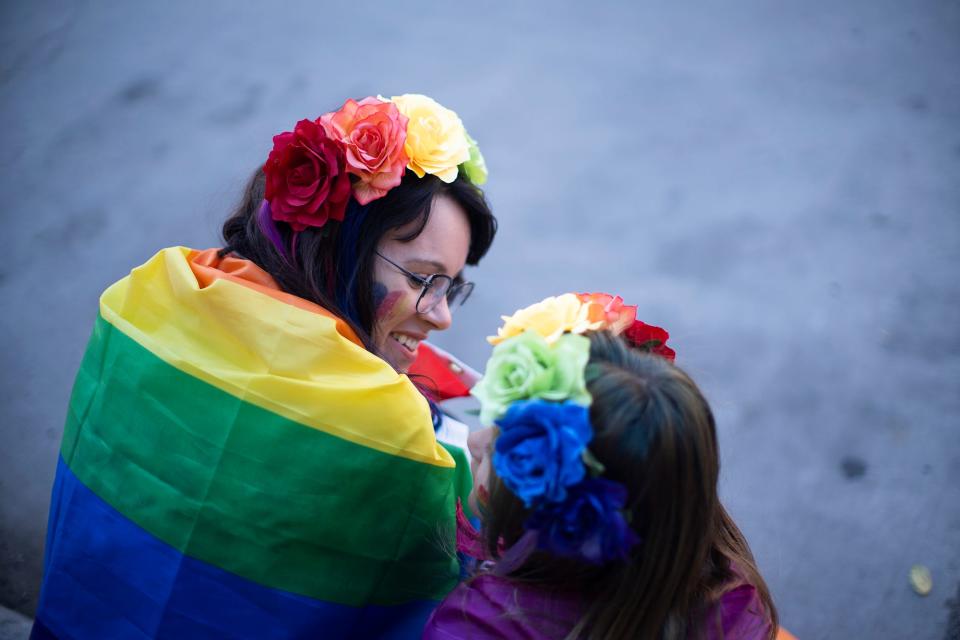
[[436, 140], [551, 318]]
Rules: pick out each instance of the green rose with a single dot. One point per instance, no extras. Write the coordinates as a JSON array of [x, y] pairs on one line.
[[475, 167], [525, 367]]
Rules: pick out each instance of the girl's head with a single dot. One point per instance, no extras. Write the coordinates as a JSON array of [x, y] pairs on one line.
[[346, 215], [654, 434]]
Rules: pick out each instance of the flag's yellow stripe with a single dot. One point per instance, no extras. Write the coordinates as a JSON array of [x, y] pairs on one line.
[[286, 360]]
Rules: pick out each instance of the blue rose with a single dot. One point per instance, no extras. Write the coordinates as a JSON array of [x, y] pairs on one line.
[[537, 454], [589, 524]]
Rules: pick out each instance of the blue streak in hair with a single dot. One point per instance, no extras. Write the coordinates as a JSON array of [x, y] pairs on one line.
[[345, 281]]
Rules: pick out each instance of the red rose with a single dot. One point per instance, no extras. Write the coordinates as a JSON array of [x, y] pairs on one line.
[[372, 133], [650, 338], [307, 181]]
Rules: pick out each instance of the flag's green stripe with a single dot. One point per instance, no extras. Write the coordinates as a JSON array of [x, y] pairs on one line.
[[224, 481]]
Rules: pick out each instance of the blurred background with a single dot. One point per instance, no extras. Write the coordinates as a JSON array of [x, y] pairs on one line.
[[776, 183]]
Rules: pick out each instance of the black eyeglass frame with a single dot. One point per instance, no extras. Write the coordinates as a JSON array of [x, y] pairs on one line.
[[457, 292]]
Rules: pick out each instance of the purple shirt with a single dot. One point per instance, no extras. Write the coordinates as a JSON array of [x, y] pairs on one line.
[[494, 607]]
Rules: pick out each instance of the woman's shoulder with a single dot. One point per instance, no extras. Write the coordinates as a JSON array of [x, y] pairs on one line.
[[490, 606]]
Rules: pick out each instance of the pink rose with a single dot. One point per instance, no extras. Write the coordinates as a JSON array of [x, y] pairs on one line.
[[373, 134], [307, 182]]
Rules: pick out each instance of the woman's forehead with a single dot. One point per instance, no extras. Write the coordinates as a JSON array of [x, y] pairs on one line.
[[443, 243]]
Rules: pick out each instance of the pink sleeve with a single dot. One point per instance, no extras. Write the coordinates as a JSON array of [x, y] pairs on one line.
[[468, 612], [492, 607]]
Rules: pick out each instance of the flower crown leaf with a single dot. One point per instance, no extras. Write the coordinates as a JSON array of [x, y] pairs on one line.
[[475, 167], [596, 467]]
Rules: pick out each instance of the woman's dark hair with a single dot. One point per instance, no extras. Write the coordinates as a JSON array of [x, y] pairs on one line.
[[333, 265], [653, 432]]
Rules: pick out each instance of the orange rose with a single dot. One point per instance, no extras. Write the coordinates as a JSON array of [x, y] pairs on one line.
[[617, 316]]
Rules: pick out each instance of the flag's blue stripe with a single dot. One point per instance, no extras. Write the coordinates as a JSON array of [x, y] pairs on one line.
[[105, 577]]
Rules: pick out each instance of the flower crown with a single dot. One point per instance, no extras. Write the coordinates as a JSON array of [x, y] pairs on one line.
[[362, 150], [534, 389]]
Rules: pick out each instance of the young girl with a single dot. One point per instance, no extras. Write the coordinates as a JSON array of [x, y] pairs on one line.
[[597, 492]]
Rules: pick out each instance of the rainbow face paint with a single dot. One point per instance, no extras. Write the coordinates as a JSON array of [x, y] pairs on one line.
[[387, 302]]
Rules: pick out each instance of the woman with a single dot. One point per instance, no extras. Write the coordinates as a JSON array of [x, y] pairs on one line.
[[243, 456], [598, 492]]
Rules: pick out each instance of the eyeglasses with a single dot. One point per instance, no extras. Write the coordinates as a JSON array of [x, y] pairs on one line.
[[435, 288]]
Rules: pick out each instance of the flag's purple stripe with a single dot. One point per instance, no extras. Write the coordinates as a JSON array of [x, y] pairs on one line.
[[147, 589]]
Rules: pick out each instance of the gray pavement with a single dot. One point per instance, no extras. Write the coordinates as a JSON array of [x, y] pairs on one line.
[[14, 625], [778, 184]]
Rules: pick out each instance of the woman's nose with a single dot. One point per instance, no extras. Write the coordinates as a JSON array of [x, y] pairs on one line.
[[440, 316]]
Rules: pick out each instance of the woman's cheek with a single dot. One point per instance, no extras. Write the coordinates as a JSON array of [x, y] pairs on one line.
[[386, 302]]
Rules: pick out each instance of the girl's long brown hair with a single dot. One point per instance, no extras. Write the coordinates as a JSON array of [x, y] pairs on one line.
[[654, 432]]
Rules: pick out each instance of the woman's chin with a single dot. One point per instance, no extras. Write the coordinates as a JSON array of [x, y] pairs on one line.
[[399, 357]]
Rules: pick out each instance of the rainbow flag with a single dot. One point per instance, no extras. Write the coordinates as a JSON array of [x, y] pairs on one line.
[[236, 465]]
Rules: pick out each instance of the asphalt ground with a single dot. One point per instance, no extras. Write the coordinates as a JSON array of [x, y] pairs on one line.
[[14, 625], [777, 184]]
